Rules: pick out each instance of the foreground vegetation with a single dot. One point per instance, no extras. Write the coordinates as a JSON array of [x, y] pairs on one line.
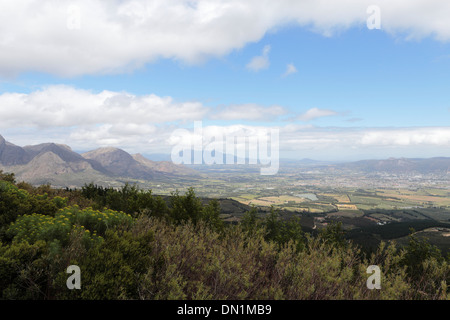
[[131, 244]]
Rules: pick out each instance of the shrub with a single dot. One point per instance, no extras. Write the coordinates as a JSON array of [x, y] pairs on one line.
[[92, 223]]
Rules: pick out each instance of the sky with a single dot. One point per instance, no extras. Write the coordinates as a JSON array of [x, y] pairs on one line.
[[340, 80]]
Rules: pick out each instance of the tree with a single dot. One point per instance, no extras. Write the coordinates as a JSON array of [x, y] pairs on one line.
[[185, 208], [417, 252], [272, 225], [292, 231], [9, 177], [334, 235], [249, 221], [211, 215]]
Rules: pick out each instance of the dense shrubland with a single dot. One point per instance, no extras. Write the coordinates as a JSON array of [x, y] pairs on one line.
[[131, 244]]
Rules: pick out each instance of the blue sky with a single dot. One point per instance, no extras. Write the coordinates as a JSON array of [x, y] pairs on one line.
[[366, 93]]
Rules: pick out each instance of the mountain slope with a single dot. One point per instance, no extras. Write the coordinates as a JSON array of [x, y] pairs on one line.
[[64, 152], [11, 154], [49, 167], [49, 163], [164, 166], [58, 165], [121, 164], [402, 165]]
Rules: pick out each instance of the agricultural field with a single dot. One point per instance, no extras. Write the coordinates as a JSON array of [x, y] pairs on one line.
[[362, 209], [348, 200], [369, 214], [436, 197]]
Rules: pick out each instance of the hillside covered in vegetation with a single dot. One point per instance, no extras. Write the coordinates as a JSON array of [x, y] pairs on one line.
[[131, 244]]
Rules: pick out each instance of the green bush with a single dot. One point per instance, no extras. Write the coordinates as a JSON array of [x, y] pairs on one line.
[[115, 269], [92, 223], [23, 270]]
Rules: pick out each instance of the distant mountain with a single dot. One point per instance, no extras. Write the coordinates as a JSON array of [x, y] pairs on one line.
[[158, 157], [401, 165], [61, 149], [48, 167], [304, 162], [65, 153], [60, 166], [122, 164], [11, 154], [48, 163], [164, 166]]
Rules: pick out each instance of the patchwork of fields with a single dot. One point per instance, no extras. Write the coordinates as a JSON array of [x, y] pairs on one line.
[[319, 200], [426, 210]]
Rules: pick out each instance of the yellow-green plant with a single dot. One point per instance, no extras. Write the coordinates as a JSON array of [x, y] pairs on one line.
[[92, 223]]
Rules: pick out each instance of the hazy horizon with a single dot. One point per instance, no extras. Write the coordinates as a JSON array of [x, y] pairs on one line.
[[161, 156]]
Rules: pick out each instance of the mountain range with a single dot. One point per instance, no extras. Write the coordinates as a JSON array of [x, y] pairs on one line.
[[438, 165], [59, 165]]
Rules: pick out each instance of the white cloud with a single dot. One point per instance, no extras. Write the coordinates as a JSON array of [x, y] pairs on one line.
[[300, 141], [323, 138], [315, 113], [260, 62], [290, 69], [364, 143], [407, 137], [296, 141], [324, 143], [116, 36], [64, 106], [86, 120], [249, 111]]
